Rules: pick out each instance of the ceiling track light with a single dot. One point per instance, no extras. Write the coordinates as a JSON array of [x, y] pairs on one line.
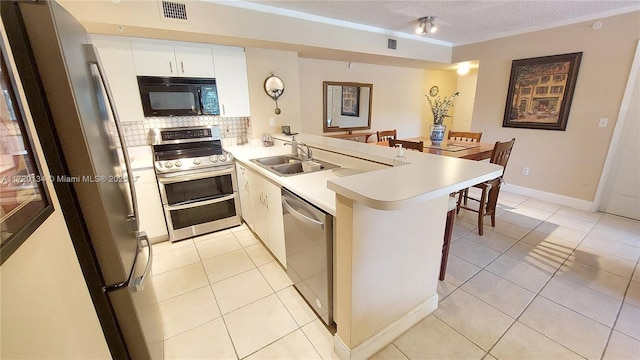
[[426, 26]]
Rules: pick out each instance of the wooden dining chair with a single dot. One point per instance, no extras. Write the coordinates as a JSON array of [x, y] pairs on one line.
[[490, 189], [465, 136], [448, 232], [385, 135], [406, 144]]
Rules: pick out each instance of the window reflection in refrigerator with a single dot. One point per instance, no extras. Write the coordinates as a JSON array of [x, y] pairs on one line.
[[22, 196]]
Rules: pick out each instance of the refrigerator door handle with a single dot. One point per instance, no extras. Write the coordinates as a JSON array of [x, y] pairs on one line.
[[92, 58], [137, 284]]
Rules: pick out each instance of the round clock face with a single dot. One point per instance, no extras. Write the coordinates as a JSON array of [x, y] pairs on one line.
[[434, 91], [274, 87]]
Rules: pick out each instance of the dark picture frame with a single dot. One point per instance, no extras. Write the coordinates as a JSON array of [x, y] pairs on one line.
[[350, 101], [540, 92]]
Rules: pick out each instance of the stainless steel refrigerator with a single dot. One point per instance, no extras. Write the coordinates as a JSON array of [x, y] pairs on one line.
[[88, 133]]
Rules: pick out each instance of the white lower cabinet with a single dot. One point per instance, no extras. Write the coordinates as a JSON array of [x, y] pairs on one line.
[[151, 215], [263, 198], [244, 192], [275, 223]]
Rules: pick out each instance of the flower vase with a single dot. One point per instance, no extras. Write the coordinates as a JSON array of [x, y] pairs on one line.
[[437, 133]]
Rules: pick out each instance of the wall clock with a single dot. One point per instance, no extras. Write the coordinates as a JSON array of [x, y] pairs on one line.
[[274, 87]]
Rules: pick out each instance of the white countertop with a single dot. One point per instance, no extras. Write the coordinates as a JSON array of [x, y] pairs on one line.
[[311, 186], [141, 157], [426, 177], [403, 186]]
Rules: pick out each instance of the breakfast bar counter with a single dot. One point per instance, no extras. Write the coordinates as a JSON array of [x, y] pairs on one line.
[[389, 227]]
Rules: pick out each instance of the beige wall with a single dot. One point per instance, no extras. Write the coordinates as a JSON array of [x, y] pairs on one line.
[[567, 162], [46, 309], [464, 102], [398, 92], [398, 100], [229, 25], [284, 64], [447, 84]]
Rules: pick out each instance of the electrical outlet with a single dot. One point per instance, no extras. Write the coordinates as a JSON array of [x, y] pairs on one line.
[[272, 122], [525, 171], [603, 122]]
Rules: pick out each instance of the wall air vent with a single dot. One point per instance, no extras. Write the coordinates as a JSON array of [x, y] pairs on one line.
[[392, 43], [174, 10]]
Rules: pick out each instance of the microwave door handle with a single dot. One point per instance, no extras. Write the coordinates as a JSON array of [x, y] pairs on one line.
[[92, 58]]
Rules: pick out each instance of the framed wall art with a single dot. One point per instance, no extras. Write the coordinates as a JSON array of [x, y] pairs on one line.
[[540, 92], [350, 101]]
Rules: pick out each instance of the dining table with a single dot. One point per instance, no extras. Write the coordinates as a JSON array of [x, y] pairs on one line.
[[460, 149]]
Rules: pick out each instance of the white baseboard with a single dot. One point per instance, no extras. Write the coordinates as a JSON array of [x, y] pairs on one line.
[[549, 197], [158, 239], [385, 336]]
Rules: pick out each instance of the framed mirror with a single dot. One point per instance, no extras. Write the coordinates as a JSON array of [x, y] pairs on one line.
[[346, 106]]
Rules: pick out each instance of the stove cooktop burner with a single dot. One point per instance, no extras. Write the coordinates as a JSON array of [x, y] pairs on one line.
[[188, 149]]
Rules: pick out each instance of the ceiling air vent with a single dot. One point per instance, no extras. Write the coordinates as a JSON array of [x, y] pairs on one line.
[[174, 10], [392, 43]]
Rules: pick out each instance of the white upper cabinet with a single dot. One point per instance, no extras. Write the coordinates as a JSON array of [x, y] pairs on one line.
[[168, 60], [194, 62], [154, 59], [117, 60], [226, 64], [231, 79]]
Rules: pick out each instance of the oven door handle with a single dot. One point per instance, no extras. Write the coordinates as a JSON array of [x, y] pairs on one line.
[[200, 203], [174, 178]]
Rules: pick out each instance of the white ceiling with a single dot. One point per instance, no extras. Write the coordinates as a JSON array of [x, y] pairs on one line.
[[459, 22]]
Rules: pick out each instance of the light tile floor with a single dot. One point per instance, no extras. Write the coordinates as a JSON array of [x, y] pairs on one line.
[[548, 282]]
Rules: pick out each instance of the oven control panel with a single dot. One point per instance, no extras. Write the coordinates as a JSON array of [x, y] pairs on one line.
[[184, 135], [185, 149], [164, 166]]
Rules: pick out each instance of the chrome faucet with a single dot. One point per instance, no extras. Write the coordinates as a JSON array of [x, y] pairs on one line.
[[308, 154]]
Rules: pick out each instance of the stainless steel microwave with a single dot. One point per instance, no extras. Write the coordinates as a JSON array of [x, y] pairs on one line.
[[174, 96]]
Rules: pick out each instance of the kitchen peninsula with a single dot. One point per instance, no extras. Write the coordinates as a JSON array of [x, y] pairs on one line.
[[388, 228]]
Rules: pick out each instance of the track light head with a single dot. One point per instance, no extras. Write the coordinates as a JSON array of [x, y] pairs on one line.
[[426, 26]]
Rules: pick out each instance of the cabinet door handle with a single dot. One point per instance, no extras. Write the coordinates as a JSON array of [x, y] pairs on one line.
[[266, 201], [170, 67], [182, 66], [223, 111]]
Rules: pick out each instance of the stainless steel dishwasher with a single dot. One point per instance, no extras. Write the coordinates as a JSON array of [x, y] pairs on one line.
[[308, 236]]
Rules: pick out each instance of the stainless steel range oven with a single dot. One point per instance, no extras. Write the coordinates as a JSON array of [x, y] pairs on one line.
[[197, 181]]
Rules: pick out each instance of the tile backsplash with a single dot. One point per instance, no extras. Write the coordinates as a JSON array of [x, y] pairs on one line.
[[136, 133]]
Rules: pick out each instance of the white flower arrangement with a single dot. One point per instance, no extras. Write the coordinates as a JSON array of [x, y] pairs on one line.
[[440, 107]]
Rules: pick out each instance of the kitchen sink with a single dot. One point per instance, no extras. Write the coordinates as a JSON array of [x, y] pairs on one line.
[[287, 165], [277, 160], [288, 169]]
